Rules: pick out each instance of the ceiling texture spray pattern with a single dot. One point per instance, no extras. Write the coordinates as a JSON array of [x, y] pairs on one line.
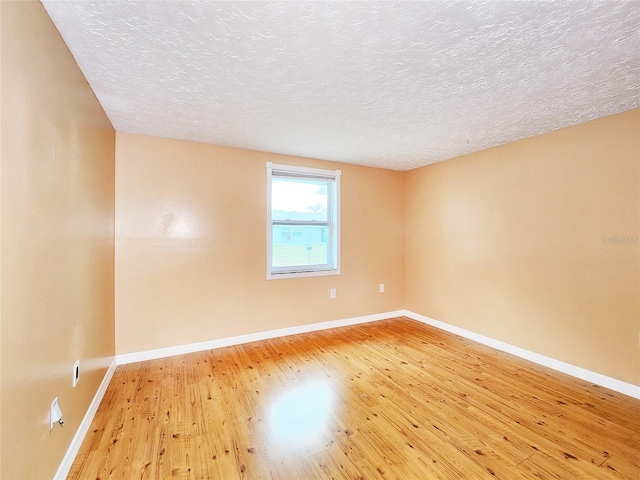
[[387, 84]]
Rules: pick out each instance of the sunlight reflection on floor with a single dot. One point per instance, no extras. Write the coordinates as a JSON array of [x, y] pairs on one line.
[[299, 417]]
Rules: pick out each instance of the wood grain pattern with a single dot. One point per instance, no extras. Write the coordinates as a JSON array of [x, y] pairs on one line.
[[387, 400]]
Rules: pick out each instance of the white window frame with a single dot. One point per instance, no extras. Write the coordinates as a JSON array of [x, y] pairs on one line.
[[333, 208]]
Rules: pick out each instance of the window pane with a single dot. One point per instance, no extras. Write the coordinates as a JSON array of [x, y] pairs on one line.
[[299, 245], [299, 199]]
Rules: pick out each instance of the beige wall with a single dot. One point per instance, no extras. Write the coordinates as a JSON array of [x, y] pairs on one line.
[[0, 239], [57, 184], [191, 246], [510, 243]]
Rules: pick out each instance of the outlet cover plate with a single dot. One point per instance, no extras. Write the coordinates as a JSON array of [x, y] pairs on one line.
[[54, 408]]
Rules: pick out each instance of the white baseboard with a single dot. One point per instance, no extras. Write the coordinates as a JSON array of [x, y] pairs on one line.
[[74, 447], [251, 337], [578, 372]]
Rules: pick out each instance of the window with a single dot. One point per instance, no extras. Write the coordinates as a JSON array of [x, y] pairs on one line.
[[303, 225]]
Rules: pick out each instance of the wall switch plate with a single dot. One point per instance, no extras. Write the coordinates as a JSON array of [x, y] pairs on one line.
[[76, 373], [381, 288], [332, 293]]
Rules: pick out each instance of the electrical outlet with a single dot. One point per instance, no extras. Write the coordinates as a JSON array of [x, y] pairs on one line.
[[76, 373], [381, 288], [332, 293], [55, 414]]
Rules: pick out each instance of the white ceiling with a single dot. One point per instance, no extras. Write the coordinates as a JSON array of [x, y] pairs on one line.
[[388, 84]]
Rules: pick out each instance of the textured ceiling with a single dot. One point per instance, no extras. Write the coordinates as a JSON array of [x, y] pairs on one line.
[[389, 84]]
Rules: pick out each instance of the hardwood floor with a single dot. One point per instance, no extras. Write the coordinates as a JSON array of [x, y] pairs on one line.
[[394, 399]]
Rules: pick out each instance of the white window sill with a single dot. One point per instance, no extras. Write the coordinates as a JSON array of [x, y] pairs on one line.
[[319, 273]]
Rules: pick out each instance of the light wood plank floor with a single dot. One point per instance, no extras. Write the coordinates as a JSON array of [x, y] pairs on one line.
[[387, 400]]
